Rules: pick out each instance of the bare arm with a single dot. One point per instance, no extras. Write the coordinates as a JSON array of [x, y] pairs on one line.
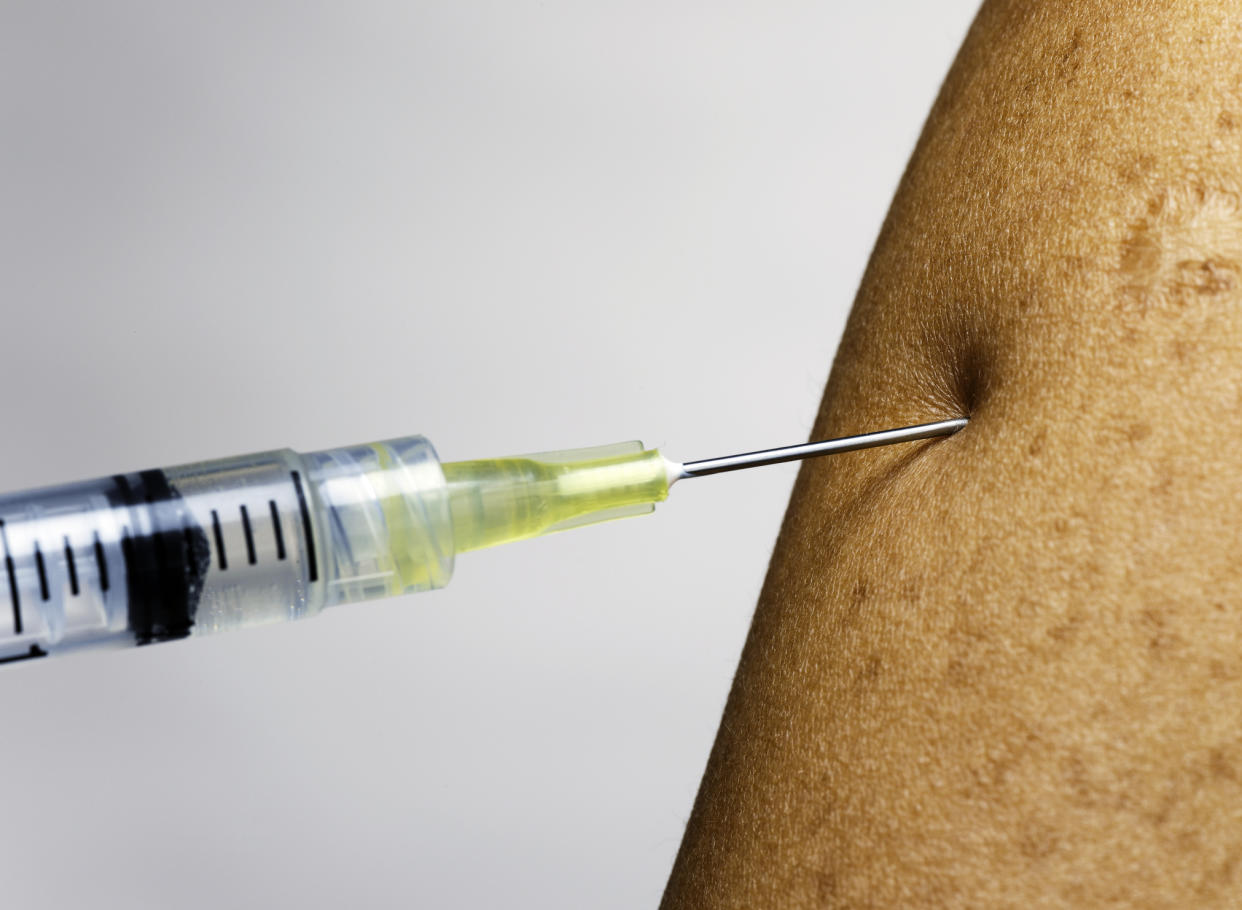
[[1005, 668]]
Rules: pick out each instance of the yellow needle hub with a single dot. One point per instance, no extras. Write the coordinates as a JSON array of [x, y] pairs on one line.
[[498, 500]]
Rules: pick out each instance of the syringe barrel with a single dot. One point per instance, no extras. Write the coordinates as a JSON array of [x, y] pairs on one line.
[[195, 549]]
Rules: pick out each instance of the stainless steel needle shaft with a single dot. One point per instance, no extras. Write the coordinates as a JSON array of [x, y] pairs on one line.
[[826, 447]]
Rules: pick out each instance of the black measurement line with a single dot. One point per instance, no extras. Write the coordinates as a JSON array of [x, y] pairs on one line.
[[312, 564], [280, 535], [35, 651], [156, 540], [221, 556], [72, 567], [127, 553], [101, 563], [249, 536], [13, 595], [42, 573]]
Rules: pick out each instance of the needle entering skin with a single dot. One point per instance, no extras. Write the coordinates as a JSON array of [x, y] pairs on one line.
[[813, 449]]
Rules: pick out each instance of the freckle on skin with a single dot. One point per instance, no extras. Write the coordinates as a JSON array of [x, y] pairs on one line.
[[957, 673], [1221, 767], [826, 886], [1225, 873], [869, 673], [1037, 842], [1182, 349], [1217, 669], [1060, 632], [1140, 254], [1164, 641], [1210, 276], [1134, 170]]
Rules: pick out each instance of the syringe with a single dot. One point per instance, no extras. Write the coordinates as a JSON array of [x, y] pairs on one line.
[[165, 554]]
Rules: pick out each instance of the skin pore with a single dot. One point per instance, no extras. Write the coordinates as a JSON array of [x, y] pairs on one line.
[[1004, 669]]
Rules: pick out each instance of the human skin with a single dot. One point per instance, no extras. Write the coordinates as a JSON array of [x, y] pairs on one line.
[[1004, 668]]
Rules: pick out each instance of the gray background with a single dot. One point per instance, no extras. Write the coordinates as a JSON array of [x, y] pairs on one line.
[[510, 226]]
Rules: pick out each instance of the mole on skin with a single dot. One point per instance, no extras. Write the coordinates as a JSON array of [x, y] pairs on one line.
[[1004, 669]]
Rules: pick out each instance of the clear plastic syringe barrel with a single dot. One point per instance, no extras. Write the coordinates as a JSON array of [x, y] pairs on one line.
[[200, 548]]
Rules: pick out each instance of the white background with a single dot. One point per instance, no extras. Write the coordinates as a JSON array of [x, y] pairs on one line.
[[510, 226]]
